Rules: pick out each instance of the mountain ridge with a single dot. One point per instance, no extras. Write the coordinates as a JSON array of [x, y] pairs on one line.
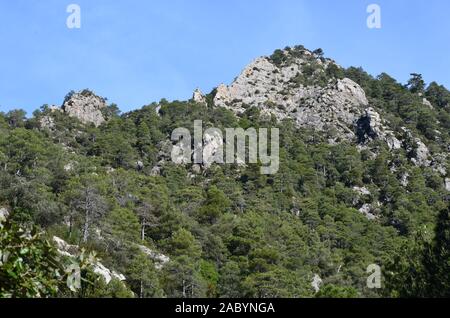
[[363, 181]]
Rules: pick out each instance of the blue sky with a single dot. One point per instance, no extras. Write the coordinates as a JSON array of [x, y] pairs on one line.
[[137, 51]]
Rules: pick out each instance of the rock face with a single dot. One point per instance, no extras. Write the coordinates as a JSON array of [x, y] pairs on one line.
[[86, 106], [199, 98], [370, 126], [286, 91], [422, 154], [447, 184], [212, 148]]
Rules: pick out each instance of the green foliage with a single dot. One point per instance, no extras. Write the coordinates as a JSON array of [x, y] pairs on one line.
[[230, 231], [29, 264], [332, 291]]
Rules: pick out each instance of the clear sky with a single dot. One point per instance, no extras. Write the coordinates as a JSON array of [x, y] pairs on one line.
[[137, 51]]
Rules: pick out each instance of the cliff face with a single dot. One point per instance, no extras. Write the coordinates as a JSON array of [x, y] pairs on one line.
[[302, 87]]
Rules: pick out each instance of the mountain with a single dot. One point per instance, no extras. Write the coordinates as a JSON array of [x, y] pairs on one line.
[[363, 182]]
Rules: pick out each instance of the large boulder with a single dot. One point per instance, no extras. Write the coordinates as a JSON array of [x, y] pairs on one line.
[[86, 106]]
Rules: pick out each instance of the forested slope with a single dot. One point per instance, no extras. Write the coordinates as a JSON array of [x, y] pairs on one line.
[[367, 188]]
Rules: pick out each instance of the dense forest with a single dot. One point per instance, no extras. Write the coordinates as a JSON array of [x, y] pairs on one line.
[[225, 231]]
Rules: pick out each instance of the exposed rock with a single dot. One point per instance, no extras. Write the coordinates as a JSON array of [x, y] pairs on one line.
[[447, 184], [417, 151], [156, 171], [178, 154], [47, 122], [339, 106], [199, 98], [157, 110], [139, 165], [427, 103], [404, 179], [64, 248], [371, 126], [362, 195], [68, 167], [439, 163], [107, 274], [212, 148], [196, 169], [422, 154], [72, 250], [4, 213], [159, 259], [316, 283], [86, 106], [367, 211], [362, 190]]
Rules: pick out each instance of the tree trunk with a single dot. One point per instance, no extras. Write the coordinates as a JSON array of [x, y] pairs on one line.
[[143, 231], [86, 226]]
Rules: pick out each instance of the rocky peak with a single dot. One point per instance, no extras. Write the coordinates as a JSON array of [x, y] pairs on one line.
[[297, 86], [86, 106], [198, 97]]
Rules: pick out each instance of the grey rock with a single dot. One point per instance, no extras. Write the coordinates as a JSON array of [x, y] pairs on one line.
[[156, 171], [371, 126], [212, 148], [447, 184], [196, 169], [368, 211], [427, 103], [336, 107], [178, 154], [71, 251], [439, 163], [86, 106], [419, 152], [47, 122], [199, 98], [316, 283], [4, 213], [139, 165], [362, 190], [159, 259], [404, 179], [422, 154]]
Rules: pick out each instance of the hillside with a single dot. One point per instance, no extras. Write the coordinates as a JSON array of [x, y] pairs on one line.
[[363, 179]]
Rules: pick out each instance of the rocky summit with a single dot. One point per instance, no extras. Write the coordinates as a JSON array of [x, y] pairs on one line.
[[307, 88], [85, 106]]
